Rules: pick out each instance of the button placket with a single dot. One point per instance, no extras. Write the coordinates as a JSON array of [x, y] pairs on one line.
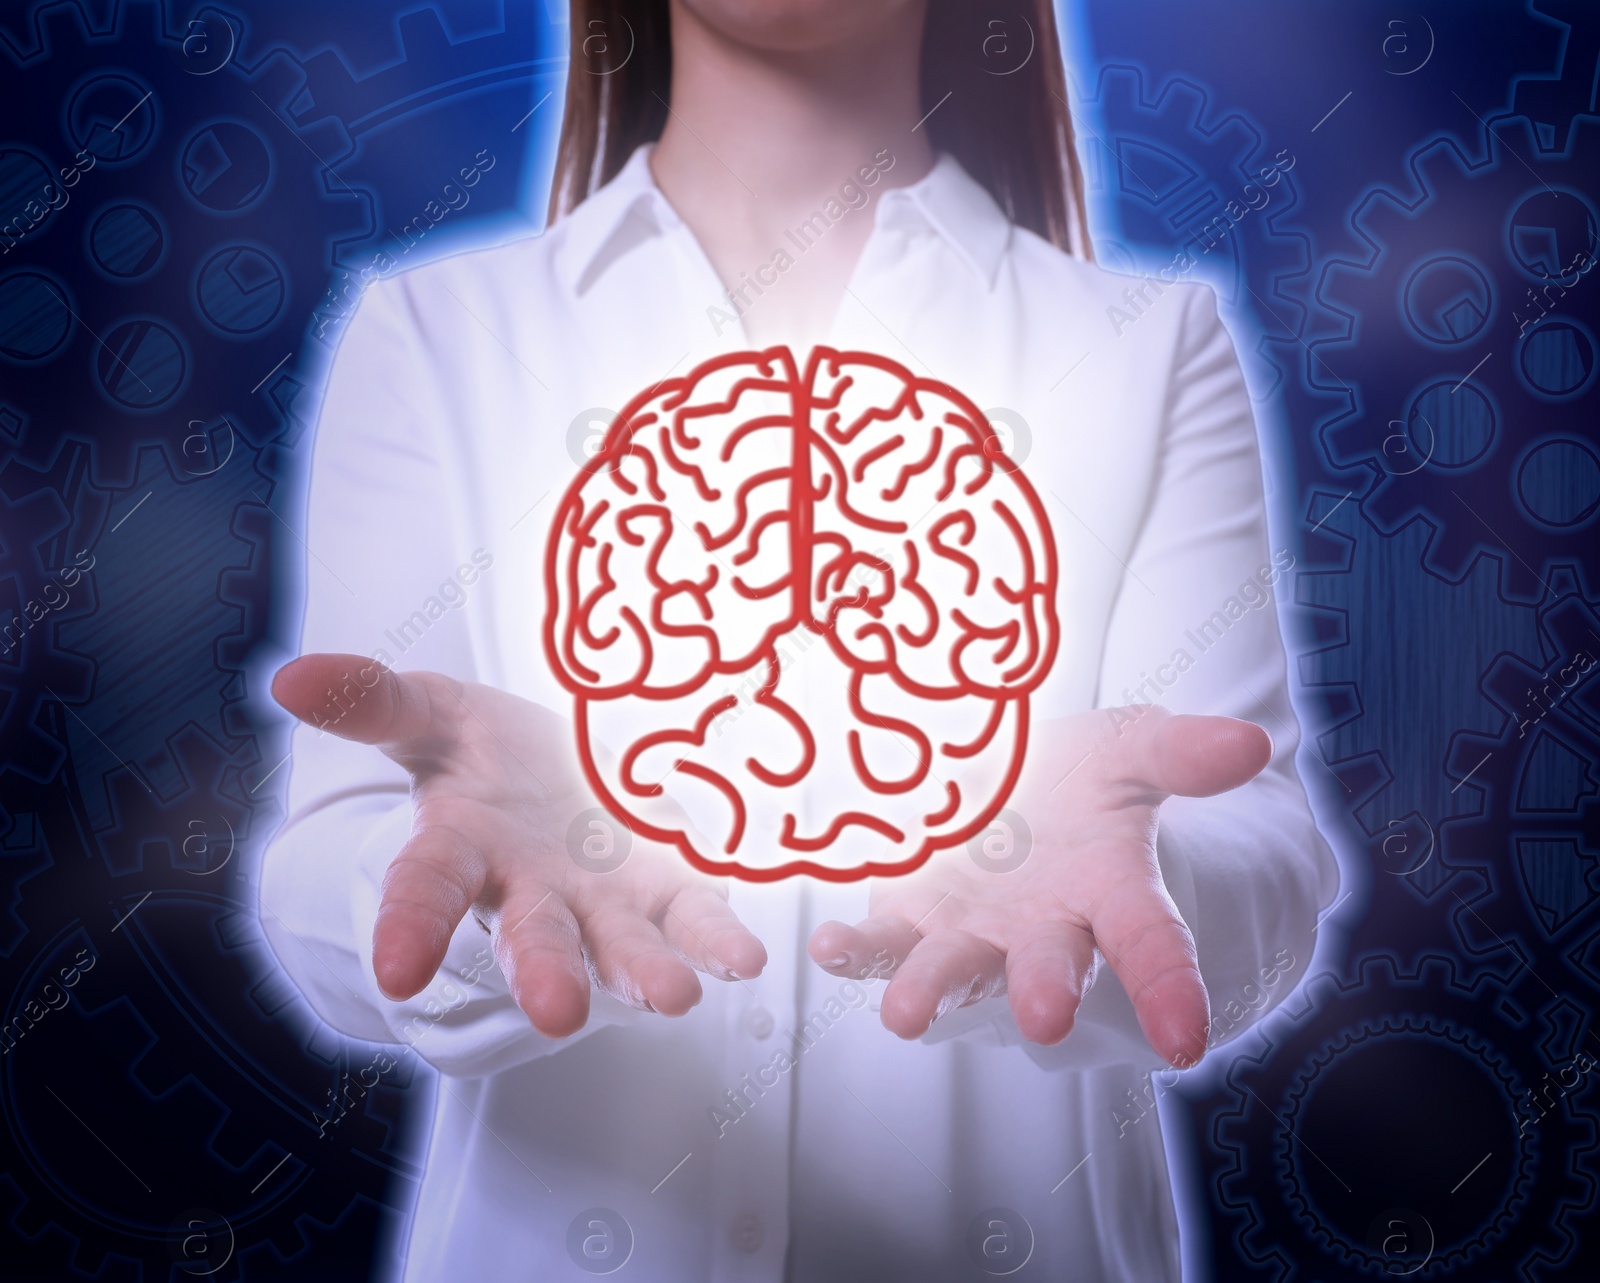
[[750, 1136]]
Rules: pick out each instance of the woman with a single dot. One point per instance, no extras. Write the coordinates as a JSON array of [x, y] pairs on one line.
[[893, 178]]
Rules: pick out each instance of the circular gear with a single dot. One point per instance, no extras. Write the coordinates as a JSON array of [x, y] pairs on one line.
[[1177, 184], [1474, 341], [153, 320], [1395, 1108], [142, 1005], [1538, 778]]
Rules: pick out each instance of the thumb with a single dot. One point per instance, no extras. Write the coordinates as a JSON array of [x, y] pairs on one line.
[[356, 698], [1194, 756]]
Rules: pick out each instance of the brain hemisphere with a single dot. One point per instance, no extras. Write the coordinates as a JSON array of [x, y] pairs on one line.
[[931, 555], [673, 563], [736, 516]]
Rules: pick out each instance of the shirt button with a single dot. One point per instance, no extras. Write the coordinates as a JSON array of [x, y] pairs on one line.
[[758, 1023], [748, 1233]]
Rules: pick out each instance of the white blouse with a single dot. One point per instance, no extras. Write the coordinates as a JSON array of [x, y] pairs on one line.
[[778, 1131]]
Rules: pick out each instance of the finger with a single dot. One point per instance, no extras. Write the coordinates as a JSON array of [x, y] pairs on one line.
[[869, 950], [1048, 970], [359, 699], [699, 924], [426, 890], [635, 963], [1148, 945], [948, 969], [1189, 756], [538, 946]]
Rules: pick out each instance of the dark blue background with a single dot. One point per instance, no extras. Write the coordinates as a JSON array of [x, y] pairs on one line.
[[1433, 465]]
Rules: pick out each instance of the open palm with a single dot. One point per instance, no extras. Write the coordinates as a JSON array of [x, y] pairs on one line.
[[1090, 886], [496, 802]]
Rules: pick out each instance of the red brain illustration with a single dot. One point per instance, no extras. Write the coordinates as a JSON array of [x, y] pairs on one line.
[[800, 614]]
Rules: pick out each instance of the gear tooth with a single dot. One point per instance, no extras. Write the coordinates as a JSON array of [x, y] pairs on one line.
[[1507, 683], [422, 32], [59, 25], [1335, 516], [1438, 165], [286, 88], [1245, 140], [1565, 580], [328, 87], [279, 78], [1555, 103], [1452, 552], [1377, 218], [1346, 441], [29, 1220], [1571, 623], [289, 1241], [1186, 98], [1515, 133], [1122, 85], [1467, 751], [1413, 346], [1427, 1004], [1388, 508], [89, 1258]]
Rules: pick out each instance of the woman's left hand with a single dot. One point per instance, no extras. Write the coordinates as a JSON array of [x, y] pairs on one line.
[[1090, 885]]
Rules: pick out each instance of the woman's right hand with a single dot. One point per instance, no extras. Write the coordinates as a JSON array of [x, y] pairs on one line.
[[495, 792]]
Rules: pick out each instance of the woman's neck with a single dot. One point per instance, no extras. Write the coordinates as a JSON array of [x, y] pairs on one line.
[[765, 129]]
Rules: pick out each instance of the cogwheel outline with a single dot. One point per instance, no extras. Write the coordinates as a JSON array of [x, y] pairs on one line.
[[39, 534], [1462, 464], [195, 1070], [1553, 102], [1536, 779], [1290, 1164], [138, 636], [62, 397], [430, 74], [430, 69], [1276, 1226], [1392, 764], [1159, 166]]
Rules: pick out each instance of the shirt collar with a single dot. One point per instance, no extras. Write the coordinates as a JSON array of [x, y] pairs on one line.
[[610, 221], [631, 209], [959, 210]]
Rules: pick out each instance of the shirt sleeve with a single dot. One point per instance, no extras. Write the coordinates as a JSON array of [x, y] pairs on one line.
[[385, 577], [1195, 628]]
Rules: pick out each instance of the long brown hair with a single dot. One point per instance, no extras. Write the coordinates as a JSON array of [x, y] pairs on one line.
[[992, 81]]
